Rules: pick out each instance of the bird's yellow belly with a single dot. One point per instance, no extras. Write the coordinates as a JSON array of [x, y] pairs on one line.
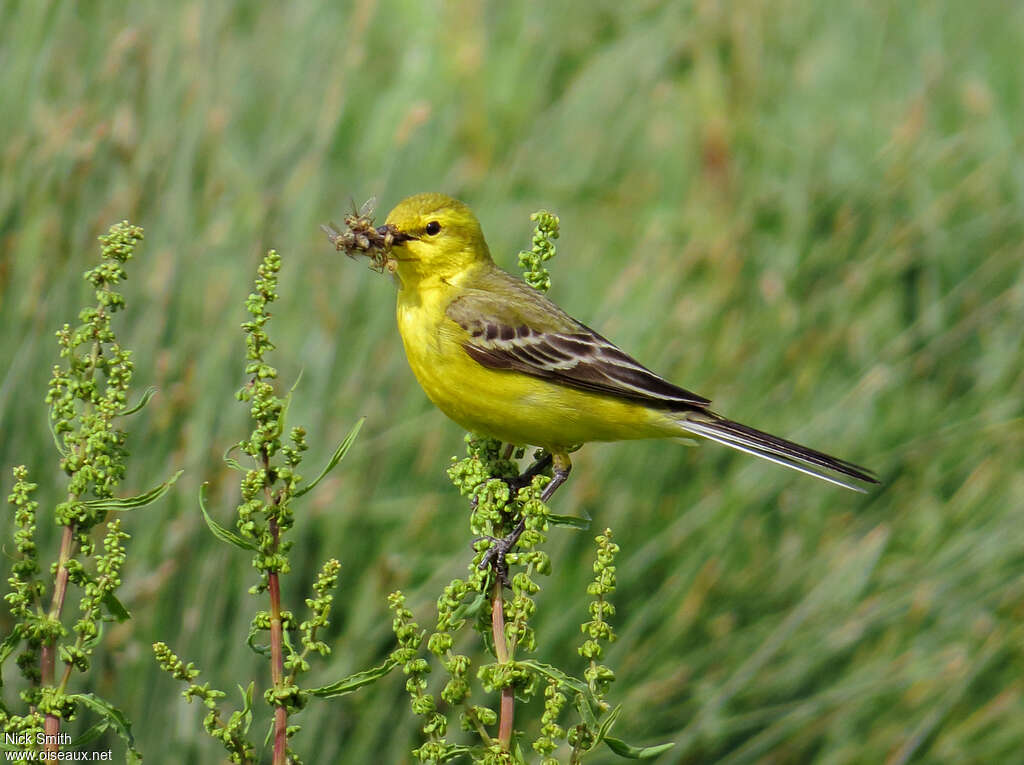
[[511, 406]]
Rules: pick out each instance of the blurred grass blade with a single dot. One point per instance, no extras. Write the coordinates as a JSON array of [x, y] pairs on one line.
[[842, 584], [223, 534], [353, 682], [338, 455], [115, 717], [926, 729], [118, 504], [146, 396]]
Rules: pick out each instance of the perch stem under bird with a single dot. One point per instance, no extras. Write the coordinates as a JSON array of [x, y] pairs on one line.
[[496, 553], [502, 360]]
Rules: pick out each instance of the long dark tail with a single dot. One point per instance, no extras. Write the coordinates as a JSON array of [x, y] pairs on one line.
[[775, 449]]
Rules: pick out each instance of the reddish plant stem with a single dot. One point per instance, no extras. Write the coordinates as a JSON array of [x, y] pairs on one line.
[[276, 627], [48, 656], [277, 662], [508, 698]]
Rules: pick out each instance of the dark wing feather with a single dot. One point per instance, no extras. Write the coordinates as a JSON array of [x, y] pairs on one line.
[[511, 326], [536, 338]]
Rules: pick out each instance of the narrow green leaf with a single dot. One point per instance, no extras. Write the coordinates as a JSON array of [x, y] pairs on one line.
[[585, 700], [247, 696], [471, 608], [286, 404], [7, 648], [567, 681], [338, 455], [586, 711], [146, 396], [116, 608], [623, 749], [262, 650], [348, 684], [223, 534], [56, 439], [279, 423], [90, 735], [572, 521], [457, 750], [607, 723], [130, 503], [270, 735], [286, 639], [231, 461], [115, 717], [88, 644]]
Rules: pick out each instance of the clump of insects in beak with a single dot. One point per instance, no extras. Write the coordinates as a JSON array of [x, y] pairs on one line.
[[360, 237]]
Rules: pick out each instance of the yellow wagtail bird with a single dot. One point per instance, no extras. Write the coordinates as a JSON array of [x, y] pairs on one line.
[[502, 360]]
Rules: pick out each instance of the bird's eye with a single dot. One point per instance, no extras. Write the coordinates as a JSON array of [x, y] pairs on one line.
[[433, 228]]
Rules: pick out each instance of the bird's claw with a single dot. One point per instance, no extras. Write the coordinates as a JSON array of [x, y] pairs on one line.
[[495, 555], [497, 552]]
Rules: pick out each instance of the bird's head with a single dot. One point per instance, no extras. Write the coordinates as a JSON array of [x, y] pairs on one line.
[[434, 236]]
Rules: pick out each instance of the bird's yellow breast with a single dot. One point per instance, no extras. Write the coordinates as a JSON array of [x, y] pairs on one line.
[[508, 405]]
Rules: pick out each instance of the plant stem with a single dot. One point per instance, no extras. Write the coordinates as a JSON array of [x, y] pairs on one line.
[[276, 627], [49, 652], [480, 729], [277, 663], [508, 698]]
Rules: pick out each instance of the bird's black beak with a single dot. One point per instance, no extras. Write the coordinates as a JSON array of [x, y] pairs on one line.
[[397, 237]]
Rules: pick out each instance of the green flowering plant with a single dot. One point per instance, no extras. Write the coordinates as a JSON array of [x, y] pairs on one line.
[[88, 401], [265, 515]]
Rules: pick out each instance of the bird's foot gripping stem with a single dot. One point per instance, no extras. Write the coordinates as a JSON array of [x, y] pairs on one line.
[[501, 547]]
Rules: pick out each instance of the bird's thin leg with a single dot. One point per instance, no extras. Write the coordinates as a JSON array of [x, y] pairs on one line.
[[496, 554], [538, 467], [562, 467]]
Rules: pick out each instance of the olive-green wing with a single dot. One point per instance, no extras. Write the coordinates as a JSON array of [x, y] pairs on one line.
[[512, 326]]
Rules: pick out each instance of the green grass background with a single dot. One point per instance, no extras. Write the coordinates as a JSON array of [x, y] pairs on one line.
[[811, 212]]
